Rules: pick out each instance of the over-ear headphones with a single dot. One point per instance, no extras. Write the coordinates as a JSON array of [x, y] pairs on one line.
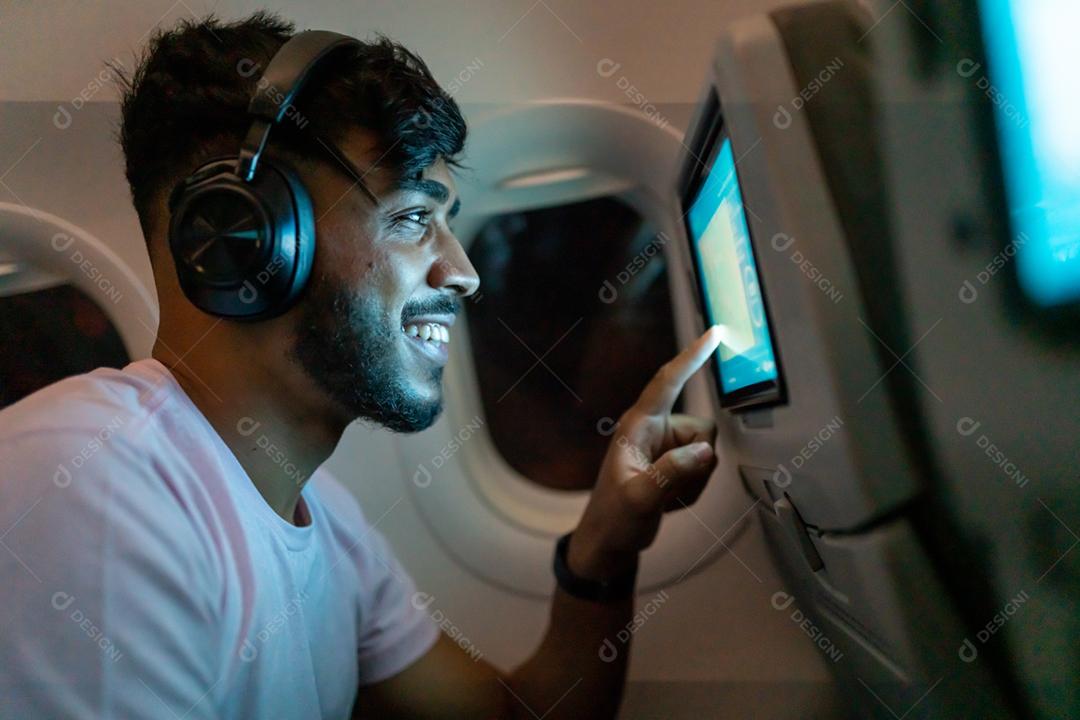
[[242, 232]]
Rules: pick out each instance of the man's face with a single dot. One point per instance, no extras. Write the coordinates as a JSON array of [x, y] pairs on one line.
[[373, 326]]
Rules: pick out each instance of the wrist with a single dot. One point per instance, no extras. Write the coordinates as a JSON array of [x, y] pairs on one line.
[[590, 559], [602, 588]]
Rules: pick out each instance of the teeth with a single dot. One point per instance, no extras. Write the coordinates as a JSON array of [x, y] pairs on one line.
[[431, 332]]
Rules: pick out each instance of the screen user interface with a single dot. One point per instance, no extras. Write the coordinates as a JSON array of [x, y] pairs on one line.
[[720, 238]]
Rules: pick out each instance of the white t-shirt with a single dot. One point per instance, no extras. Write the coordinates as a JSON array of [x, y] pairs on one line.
[[142, 575]]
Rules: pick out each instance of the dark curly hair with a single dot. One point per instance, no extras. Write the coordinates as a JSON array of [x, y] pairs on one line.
[[186, 102]]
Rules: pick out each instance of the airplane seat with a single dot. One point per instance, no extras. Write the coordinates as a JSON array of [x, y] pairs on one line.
[[977, 129], [845, 127], [835, 453], [69, 303]]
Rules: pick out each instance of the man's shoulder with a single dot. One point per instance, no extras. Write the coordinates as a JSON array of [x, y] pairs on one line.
[[94, 430], [75, 454], [100, 402]]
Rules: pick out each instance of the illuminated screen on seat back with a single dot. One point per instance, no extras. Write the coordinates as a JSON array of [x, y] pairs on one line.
[[728, 280], [1032, 55]]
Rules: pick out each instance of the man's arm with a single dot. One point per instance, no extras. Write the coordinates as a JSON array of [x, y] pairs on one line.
[[656, 462], [564, 678]]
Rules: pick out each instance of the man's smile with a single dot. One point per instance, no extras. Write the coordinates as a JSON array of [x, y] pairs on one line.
[[430, 336]]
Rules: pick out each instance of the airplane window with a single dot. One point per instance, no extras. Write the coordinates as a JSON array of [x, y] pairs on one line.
[[50, 335], [574, 316]]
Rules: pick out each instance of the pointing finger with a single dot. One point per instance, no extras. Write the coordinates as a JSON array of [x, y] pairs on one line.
[[659, 395]]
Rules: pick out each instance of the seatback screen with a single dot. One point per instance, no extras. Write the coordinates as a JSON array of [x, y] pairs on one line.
[[731, 291]]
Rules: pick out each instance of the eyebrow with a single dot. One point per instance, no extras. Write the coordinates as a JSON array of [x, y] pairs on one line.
[[433, 189]]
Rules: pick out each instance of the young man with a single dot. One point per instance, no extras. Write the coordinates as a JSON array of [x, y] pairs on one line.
[[158, 562]]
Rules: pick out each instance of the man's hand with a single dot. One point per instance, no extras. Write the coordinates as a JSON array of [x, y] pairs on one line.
[[656, 462]]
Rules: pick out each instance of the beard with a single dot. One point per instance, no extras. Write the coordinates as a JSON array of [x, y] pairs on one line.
[[350, 345]]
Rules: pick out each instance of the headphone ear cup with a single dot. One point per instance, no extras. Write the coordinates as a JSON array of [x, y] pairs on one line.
[[243, 250], [294, 219]]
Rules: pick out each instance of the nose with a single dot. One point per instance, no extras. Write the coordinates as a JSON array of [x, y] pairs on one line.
[[452, 269]]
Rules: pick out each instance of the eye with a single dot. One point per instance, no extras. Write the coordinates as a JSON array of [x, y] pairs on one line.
[[415, 218]]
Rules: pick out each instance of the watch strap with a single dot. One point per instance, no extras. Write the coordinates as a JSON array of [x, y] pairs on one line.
[[612, 590]]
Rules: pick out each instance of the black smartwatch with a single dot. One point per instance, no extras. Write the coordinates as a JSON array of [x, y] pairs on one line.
[[607, 591]]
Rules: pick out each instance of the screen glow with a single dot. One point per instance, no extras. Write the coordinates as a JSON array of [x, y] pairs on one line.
[[721, 239], [1032, 55]]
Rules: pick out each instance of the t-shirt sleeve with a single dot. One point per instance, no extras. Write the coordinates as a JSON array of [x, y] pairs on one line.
[[107, 603], [394, 629]]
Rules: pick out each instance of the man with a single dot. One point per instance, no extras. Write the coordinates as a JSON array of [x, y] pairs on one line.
[[160, 563]]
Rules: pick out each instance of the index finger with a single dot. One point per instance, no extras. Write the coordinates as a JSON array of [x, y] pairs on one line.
[[659, 395]]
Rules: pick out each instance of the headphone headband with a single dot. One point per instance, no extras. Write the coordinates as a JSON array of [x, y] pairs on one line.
[[286, 73]]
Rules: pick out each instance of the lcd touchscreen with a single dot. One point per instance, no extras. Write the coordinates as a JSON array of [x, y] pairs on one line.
[[730, 287]]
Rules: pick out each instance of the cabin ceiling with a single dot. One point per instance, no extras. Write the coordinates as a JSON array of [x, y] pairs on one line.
[[529, 49]]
